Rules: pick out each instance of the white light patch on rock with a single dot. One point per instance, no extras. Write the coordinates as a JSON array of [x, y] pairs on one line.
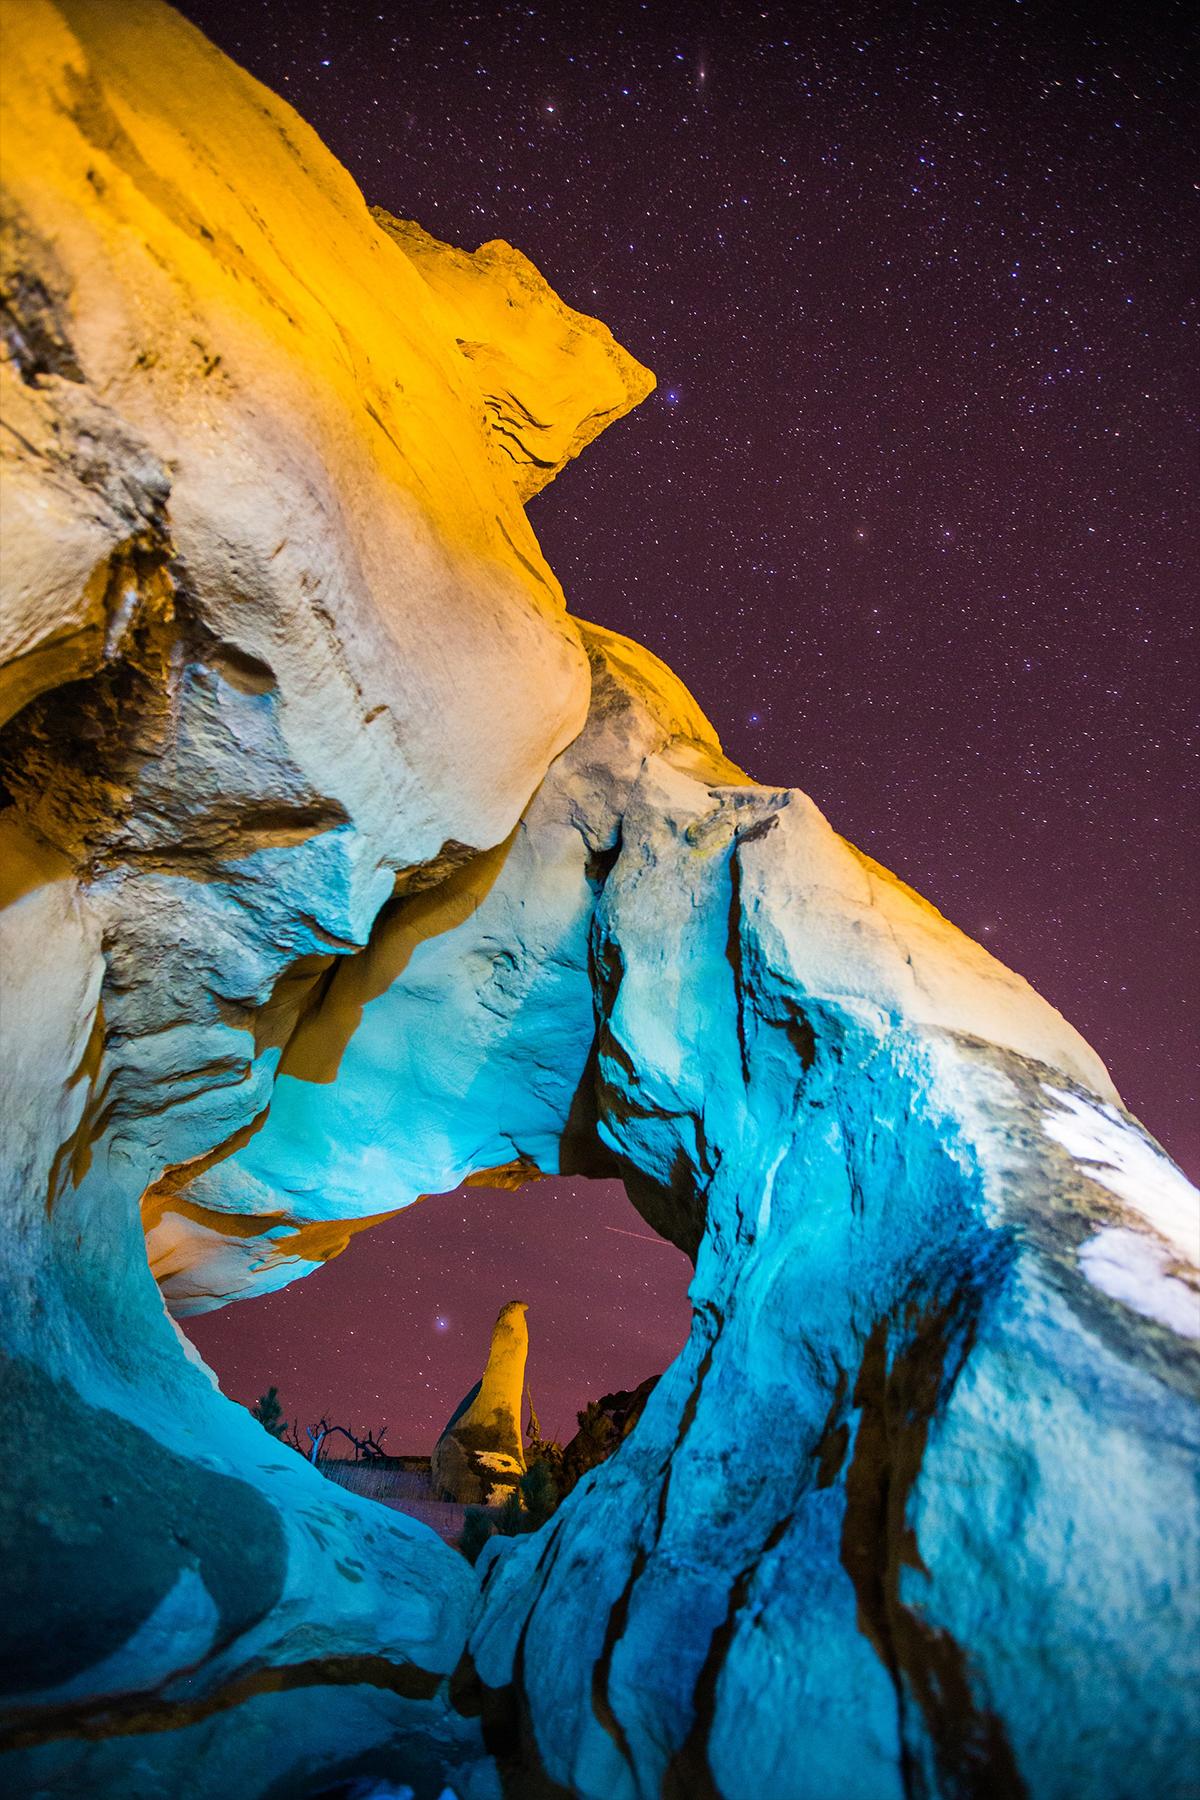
[[1135, 1269], [1122, 1160], [764, 1205]]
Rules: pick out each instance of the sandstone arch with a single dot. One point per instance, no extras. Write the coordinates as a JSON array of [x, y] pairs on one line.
[[342, 863]]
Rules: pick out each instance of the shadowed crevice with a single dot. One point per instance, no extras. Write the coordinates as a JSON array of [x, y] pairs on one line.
[[138, 1714], [688, 1775], [602, 1669], [907, 1373]]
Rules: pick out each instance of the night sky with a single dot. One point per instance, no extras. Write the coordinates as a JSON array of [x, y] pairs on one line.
[[913, 512]]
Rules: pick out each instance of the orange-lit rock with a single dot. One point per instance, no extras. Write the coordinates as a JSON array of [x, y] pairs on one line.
[[277, 643], [250, 461], [480, 1456], [550, 379]]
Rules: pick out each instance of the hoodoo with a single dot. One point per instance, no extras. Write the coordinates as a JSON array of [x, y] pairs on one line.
[[341, 863], [480, 1456]]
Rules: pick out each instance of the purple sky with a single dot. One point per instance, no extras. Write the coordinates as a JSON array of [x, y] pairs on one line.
[[913, 512]]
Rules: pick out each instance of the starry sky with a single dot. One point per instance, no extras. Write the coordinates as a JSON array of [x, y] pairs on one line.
[[913, 512]]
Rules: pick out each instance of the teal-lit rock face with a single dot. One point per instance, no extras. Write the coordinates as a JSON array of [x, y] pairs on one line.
[[917, 1476], [340, 863]]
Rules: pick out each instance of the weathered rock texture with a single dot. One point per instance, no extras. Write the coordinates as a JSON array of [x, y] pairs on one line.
[[480, 1457], [342, 865]]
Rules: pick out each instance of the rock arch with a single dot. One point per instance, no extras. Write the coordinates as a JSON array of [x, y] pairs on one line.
[[342, 863]]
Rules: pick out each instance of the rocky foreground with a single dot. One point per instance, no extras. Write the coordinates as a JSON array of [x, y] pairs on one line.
[[341, 864]]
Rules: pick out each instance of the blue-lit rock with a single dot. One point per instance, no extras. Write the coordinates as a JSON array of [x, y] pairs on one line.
[[916, 1509], [459, 1041]]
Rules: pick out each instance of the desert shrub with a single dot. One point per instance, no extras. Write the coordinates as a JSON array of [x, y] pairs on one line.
[[509, 1519], [478, 1527], [268, 1410], [539, 1490]]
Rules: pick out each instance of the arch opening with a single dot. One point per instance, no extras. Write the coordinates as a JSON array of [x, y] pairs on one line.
[[381, 1345]]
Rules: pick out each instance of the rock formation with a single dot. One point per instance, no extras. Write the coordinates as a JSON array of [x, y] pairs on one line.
[[480, 1457], [604, 1425], [341, 865]]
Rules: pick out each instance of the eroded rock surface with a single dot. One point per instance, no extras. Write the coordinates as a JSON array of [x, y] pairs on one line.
[[472, 1000], [342, 865]]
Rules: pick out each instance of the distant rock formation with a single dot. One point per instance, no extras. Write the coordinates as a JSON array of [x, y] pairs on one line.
[[480, 1457], [340, 864], [604, 1425]]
